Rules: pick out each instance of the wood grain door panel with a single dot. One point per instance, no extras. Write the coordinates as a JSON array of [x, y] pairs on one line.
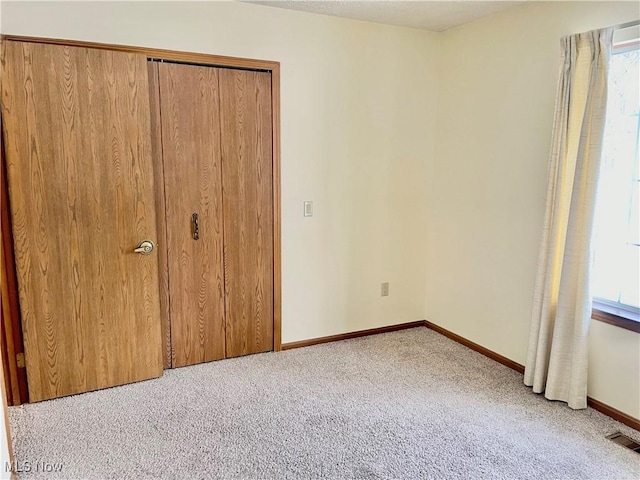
[[77, 133], [163, 268], [246, 139], [193, 184]]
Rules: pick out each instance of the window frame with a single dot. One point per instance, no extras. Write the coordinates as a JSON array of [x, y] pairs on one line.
[[615, 316], [600, 310]]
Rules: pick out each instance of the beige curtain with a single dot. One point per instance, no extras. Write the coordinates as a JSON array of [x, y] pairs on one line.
[[557, 355]]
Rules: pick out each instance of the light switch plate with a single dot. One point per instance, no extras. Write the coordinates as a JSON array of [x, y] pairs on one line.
[[384, 289], [308, 208]]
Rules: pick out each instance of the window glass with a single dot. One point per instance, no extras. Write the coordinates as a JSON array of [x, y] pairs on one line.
[[616, 267]]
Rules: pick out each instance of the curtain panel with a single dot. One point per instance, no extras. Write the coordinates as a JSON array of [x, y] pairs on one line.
[[557, 354]]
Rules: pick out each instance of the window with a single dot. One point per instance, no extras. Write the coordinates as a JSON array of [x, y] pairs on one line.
[[616, 266]]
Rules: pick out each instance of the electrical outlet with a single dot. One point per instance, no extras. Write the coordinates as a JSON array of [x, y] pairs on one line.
[[384, 289]]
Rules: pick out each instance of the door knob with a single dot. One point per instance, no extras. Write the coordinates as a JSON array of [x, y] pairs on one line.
[[145, 247]]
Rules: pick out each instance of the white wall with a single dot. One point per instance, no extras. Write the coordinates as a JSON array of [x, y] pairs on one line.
[[498, 83], [358, 129]]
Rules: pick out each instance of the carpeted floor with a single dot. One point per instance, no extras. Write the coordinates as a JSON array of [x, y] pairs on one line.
[[403, 405]]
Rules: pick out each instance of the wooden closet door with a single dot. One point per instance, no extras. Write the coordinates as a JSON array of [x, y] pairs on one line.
[[245, 112], [77, 138], [191, 152]]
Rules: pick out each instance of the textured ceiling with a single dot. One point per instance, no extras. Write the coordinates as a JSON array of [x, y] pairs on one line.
[[436, 16]]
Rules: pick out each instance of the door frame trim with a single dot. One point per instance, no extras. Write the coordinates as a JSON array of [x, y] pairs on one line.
[[270, 66], [158, 53], [11, 341]]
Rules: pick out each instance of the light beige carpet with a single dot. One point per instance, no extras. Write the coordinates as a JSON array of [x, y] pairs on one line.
[[403, 405]]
